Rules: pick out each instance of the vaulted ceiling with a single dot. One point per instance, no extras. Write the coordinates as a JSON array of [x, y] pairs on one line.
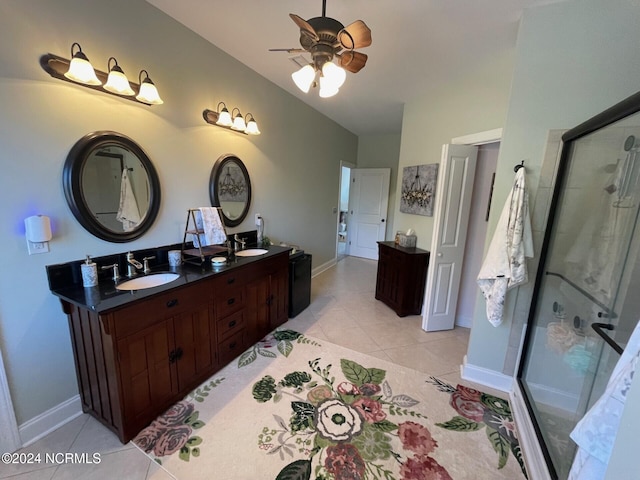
[[416, 44]]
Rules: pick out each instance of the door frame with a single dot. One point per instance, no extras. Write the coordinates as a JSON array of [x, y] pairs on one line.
[[350, 166], [476, 139], [11, 437]]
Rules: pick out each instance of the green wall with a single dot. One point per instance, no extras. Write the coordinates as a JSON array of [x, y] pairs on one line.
[[295, 176]]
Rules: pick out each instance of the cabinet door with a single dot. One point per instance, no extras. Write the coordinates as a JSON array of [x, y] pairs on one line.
[[195, 345], [147, 375], [279, 298], [258, 309], [389, 267]]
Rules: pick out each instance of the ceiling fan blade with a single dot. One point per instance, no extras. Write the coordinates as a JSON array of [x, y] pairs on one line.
[[355, 35], [305, 27], [288, 50], [353, 61]]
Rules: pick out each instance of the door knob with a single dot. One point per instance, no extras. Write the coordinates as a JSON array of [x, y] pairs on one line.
[[382, 220], [439, 254]]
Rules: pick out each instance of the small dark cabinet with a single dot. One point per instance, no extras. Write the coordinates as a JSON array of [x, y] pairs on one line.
[[402, 274]]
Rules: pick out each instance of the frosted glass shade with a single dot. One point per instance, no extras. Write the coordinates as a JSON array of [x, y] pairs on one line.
[[118, 83], [304, 78], [333, 74], [149, 93], [81, 70]]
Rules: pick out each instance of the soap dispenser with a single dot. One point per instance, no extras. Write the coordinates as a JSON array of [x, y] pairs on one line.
[[89, 273]]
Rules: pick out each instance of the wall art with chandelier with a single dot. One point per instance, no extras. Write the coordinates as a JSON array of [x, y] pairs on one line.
[[419, 189]]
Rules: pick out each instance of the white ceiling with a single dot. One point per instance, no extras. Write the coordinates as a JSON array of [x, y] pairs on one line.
[[416, 43]]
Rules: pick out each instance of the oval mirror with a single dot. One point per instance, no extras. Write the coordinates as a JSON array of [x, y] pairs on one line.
[[230, 188], [111, 186]]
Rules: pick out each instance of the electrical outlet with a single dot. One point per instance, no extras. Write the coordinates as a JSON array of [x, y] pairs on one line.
[[258, 216], [37, 247]]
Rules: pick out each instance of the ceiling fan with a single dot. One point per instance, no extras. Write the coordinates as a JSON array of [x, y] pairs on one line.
[[325, 39]]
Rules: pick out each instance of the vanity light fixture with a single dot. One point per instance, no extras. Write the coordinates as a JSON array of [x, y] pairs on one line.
[[117, 81], [148, 91], [252, 126], [233, 121], [80, 68], [238, 121], [224, 117], [79, 71]]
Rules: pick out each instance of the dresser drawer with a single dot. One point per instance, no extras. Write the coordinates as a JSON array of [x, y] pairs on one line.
[[230, 348], [229, 325], [140, 315]]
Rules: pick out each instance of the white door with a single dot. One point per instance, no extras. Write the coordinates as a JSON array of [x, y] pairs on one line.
[[368, 200], [453, 203]]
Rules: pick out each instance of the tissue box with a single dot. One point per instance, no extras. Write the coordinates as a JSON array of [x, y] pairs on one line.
[[407, 240]]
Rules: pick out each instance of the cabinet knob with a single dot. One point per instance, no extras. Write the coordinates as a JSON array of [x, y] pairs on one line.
[[232, 323], [232, 345], [231, 301], [230, 280], [172, 303]]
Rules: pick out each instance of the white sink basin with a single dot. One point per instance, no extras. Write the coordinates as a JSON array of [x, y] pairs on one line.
[[148, 281], [251, 252]]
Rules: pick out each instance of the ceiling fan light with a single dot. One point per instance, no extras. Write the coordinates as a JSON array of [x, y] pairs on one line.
[[327, 89], [334, 74], [304, 77], [80, 69]]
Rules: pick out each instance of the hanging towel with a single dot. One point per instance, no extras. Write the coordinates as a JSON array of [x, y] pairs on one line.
[[596, 432], [208, 220], [128, 213], [505, 265]]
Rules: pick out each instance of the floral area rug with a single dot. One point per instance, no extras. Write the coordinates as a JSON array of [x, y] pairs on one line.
[[297, 408]]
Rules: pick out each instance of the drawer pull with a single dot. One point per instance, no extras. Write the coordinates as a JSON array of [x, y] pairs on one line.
[[231, 280], [232, 323], [172, 303], [231, 301]]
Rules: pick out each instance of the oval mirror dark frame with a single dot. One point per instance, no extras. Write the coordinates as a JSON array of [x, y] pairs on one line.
[[229, 168], [73, 189]]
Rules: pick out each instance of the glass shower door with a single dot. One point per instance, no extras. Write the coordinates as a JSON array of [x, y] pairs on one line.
[[588, 276]]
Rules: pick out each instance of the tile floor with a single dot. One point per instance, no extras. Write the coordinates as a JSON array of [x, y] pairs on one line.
[[343, 310]]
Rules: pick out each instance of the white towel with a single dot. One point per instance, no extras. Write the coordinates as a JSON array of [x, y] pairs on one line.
[[128, 213], [505, 265], [208, 220], [595, 434]]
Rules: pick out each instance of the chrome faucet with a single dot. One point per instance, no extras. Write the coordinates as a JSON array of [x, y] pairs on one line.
[[132, 265], [240, 243], [146, 264]]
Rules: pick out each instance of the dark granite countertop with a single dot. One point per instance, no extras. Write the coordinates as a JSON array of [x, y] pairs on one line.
[[63, 281]]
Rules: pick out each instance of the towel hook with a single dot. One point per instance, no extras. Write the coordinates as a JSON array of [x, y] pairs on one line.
[[519, 166]]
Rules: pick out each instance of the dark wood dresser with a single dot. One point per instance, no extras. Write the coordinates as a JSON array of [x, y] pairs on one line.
[[402, 274]]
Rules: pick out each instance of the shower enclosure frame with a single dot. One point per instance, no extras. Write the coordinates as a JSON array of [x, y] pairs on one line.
[[523, 407]]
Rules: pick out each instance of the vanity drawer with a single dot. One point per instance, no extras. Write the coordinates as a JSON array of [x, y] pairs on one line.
[[231, 348], [229, 301], [228, 326], [142, 314], [229, 280]]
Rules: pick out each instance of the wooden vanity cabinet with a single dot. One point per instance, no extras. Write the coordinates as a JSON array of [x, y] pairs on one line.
[[134, 362], [267, 298], [401, 279]]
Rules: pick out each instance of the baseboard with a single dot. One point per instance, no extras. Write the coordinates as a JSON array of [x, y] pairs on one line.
[[466, 322], [534, 458], [484, 376], [554, 398], [33, 430], [324, 267]]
